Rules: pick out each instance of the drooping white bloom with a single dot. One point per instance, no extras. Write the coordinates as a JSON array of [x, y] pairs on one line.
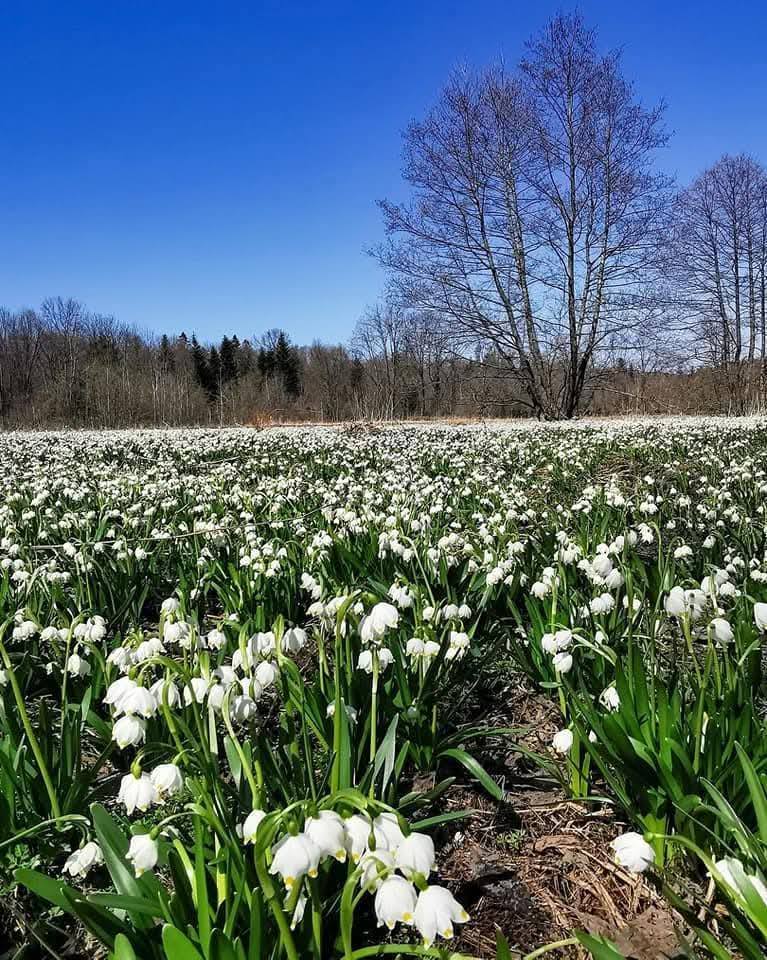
[[137, 793], [215, 639], [415, 854], [165, 691], [139, 701], [375, 866], [633, 852], [129, 731], [435, 913], [266, 673], [293, 857], [395, 902], [563, 662], [760, 616], [78, 666], [293, 640], [117, 691], [562, 741], [458, 645], [610, 699], [167, 779], [250, 827], [383, 617], [143, 853], [387, 831], [327, 831], [81, 861], [733, 874], [722, 630], [358, 828], [675, 603]]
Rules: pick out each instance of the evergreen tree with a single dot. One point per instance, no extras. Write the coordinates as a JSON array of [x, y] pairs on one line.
[[265, 362], [228, 355], [287, 364], [201, 366], [215, 374], [167, 360]]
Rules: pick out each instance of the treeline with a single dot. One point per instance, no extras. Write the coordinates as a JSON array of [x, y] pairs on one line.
[[62, 365], [543, 265]]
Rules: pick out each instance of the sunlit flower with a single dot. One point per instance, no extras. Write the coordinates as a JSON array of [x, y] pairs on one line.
[[633, 852], [435, 913], [143, 853]]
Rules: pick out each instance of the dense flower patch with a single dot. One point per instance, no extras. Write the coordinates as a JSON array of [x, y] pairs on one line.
[[227, 658]]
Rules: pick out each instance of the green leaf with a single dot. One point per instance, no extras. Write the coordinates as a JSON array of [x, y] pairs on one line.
[[502, 949], [123, 950], [475, 769], [599, 947], [177, 946], [45, 887]]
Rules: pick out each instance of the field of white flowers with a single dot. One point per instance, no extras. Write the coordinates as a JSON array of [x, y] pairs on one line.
[[251, 682]]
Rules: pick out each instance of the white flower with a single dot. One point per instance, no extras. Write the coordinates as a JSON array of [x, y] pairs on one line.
[[722, 630], [327, 831], [675, 602], [137, 793], [78, 666], [760, 616], [395, 902], [266, 673], [167, 779], [121, 658], [375, 866], [563, 662], [165, 690], [129, 731], [435, 913], [170, 606], [139, 701], [117, 691], [79, 862], [142, 853], [216, 639], [415, 854], [293, 857], [387, 831], [459, 644], [562, 741], [293, 640], [358, 829], [733, 874], [383, 617], [610, 698], [250, 827], [633, 852]]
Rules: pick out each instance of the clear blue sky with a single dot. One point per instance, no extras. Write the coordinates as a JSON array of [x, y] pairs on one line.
[[214, 167]]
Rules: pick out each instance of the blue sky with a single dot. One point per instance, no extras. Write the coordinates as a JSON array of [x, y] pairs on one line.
[[214, 167]]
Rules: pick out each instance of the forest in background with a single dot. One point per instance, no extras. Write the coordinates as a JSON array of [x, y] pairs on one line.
[[543, 265]]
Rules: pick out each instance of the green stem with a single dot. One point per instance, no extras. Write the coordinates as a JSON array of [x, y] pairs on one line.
[[33, 743]]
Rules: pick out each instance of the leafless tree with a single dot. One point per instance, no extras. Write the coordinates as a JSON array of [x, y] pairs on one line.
[[536, 212], [718, 258]]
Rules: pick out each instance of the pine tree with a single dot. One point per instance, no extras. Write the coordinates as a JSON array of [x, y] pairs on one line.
[[167, 360], [288, 365], [215, 374], [228, 354], [201, 366]]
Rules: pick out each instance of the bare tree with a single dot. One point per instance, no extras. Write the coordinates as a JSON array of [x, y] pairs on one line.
[[536, 212], [718, 258]]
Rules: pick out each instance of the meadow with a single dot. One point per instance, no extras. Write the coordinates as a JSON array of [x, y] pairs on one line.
[[416, 691]]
